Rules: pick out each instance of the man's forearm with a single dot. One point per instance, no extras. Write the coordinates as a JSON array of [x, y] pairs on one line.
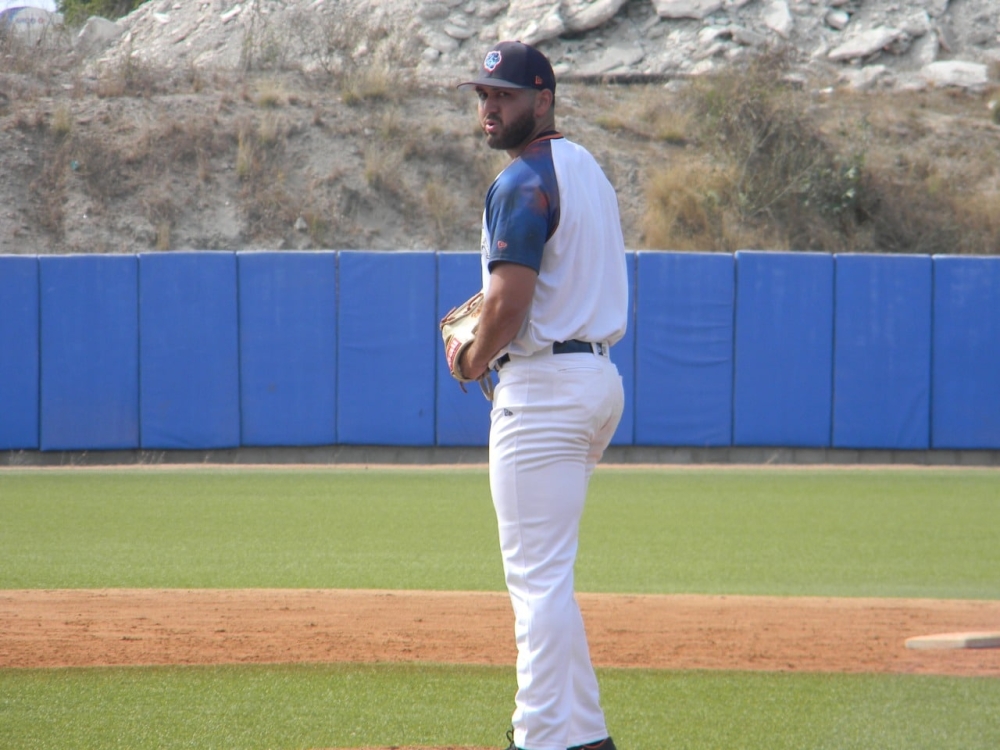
[[505, 307]]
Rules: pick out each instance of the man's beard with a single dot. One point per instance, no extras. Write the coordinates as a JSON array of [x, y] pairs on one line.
[[512, 136]]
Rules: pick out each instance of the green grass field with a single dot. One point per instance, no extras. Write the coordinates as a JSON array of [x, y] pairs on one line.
[[299, 706], [824, 532]]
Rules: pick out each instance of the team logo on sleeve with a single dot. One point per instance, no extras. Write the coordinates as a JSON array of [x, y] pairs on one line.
[[492, 60]]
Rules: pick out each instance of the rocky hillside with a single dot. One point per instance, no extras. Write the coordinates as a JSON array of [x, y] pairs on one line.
[[900, 43], [326, 123]]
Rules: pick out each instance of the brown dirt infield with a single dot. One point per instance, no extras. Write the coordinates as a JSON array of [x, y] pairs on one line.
[[140, 627]]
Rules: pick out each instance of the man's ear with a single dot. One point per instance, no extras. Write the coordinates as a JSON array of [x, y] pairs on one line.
[[543, 102]]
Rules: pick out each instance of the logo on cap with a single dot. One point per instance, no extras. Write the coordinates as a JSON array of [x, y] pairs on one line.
[[492, 60]]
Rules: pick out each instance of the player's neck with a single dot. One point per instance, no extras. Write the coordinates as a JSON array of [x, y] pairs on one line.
[[545, 133]]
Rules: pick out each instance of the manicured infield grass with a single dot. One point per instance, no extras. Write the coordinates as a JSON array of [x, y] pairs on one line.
[[301, 706], [833, 532]]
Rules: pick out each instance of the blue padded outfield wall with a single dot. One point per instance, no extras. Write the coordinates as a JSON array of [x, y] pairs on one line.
[[18, 352], [882, 352], [189, 351], [386, 314], [89, 352], [684, 349], [783, 351], [966, 364], [205, 350], [288, 348]]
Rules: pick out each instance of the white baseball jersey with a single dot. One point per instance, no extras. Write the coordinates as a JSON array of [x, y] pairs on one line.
[[553, 209]]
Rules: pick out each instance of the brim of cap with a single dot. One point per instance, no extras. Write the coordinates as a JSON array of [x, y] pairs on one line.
[[496, 83]]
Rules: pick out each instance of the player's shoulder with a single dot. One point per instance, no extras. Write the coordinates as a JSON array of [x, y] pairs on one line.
[[533, 167], [538, 154], [565, 148]]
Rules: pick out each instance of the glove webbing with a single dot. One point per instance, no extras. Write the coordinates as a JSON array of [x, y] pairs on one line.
[[485, 385]]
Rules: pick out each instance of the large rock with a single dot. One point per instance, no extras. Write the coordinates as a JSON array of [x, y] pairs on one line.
[[779, 19], [837, 19], [97, 34], [583, 15], [532, 21], [865, 44], [956, 73], [916, 24], [619, 58], [696, 9], [924, 50]]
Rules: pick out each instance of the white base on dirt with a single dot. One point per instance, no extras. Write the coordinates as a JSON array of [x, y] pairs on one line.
[[955, 640]]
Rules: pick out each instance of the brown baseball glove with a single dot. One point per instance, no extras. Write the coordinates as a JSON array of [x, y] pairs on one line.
[[458, 329]]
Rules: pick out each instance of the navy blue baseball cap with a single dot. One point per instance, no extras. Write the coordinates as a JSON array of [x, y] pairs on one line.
[[515, 65]]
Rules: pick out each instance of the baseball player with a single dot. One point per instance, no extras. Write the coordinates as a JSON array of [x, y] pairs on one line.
[[555, 302]]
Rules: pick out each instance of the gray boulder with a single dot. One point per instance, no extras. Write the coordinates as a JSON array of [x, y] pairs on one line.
[[97, 34]]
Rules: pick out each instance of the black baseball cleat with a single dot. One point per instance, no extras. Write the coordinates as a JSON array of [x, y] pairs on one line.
[[606, 744]]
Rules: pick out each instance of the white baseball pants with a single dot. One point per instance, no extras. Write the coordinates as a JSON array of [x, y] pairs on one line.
[[553, 416]]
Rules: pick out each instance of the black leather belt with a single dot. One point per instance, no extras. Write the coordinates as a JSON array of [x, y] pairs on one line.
[[573, 346]]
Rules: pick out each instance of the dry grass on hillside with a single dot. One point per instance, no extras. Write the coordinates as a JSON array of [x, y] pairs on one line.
[[361, 157], [760, 163]]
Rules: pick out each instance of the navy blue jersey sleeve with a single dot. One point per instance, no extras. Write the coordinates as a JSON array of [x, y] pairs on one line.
[[522, 208]]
